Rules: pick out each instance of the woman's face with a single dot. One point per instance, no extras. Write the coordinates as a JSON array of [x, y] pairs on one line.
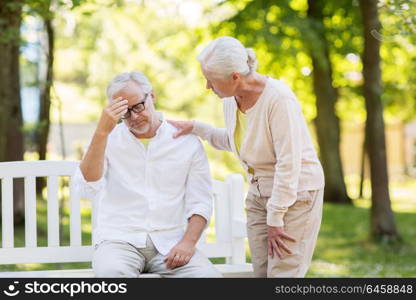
[[221, 87]]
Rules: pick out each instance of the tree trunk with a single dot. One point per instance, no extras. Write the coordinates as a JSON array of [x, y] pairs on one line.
[[11, 122], [326, 122], [362, 167], [45, 100], [382, 217]]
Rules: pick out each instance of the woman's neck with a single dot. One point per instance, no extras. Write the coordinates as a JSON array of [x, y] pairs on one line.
[[250, 90]]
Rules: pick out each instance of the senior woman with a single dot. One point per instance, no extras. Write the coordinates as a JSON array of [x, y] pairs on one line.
[[266, 130]]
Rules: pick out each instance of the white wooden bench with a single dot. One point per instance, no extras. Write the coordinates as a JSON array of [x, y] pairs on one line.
[[229, 218]]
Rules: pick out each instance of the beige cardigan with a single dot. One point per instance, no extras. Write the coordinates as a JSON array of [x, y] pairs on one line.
[[277, 146]]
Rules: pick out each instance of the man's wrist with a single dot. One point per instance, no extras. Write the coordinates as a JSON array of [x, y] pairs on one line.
[[189, 240], [101, 133]]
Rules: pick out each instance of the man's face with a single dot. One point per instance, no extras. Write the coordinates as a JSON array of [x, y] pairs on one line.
[[138, 123]]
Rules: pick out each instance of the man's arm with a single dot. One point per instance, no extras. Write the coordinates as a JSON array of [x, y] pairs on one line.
[[198, 209], [92, 165], [182, 253]]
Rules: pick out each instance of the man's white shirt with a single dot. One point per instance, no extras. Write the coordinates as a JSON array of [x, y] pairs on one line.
[[149, 191]]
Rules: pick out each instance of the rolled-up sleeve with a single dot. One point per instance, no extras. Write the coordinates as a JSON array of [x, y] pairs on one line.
[[287, 140], [198, 195], [89, 189]]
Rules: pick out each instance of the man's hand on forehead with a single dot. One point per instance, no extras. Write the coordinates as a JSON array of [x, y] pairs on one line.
[[111, 114]]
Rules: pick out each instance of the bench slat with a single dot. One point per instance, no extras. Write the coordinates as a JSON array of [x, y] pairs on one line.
[[53, 212], [7, 212], [40, 168], [238, 228], [222, 213], [30, 212], [41, 255], [75, 216]]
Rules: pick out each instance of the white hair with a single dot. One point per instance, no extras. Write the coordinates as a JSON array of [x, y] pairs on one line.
[[226, 55], [120, 81]]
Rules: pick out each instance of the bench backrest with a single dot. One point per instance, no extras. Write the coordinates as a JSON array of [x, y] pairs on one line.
[[228, 217]]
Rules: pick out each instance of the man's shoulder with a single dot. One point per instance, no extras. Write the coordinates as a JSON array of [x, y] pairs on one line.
[[184, 140]]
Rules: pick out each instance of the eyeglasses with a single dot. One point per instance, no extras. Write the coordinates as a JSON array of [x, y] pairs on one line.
[[137, 108]]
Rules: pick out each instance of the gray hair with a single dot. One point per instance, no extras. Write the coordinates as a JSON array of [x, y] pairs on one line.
[[120, 81], [226, 55]]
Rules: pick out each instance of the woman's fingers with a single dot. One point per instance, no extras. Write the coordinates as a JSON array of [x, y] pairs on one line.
[[183, 127], [270, 248], [288, 237], [285, 247], [178, 133], [276, 249], [174, 123]]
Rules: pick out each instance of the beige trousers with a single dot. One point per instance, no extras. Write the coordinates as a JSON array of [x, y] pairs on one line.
[[121, 259], [302, 221]]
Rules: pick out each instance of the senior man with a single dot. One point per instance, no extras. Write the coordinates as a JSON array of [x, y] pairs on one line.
[[153, 191]]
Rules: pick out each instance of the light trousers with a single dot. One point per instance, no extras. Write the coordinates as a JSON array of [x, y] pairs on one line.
[[302, 221], [121, 259]]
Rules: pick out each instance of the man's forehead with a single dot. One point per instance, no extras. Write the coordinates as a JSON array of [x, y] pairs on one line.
[[131, 89]]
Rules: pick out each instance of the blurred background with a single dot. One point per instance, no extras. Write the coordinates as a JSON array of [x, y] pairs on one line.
[[351, 64]]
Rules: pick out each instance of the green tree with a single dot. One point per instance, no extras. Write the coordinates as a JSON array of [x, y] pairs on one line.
[[326, 121], [11, 123], [46, 10], [382, 217]]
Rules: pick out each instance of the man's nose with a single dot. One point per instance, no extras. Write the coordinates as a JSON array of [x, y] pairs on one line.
[[134, 115]]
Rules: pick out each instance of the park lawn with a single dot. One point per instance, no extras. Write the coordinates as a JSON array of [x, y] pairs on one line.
[[344, 248]]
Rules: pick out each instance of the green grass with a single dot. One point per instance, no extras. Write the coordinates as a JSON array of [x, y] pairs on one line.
[[344, 248]]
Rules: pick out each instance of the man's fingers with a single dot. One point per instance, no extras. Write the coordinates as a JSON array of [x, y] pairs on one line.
[[122, 109], [117, 109], [116, 100], [182, 261], [175, 261], [118, 103], [187, 259], [121, 106], [168, 260]]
